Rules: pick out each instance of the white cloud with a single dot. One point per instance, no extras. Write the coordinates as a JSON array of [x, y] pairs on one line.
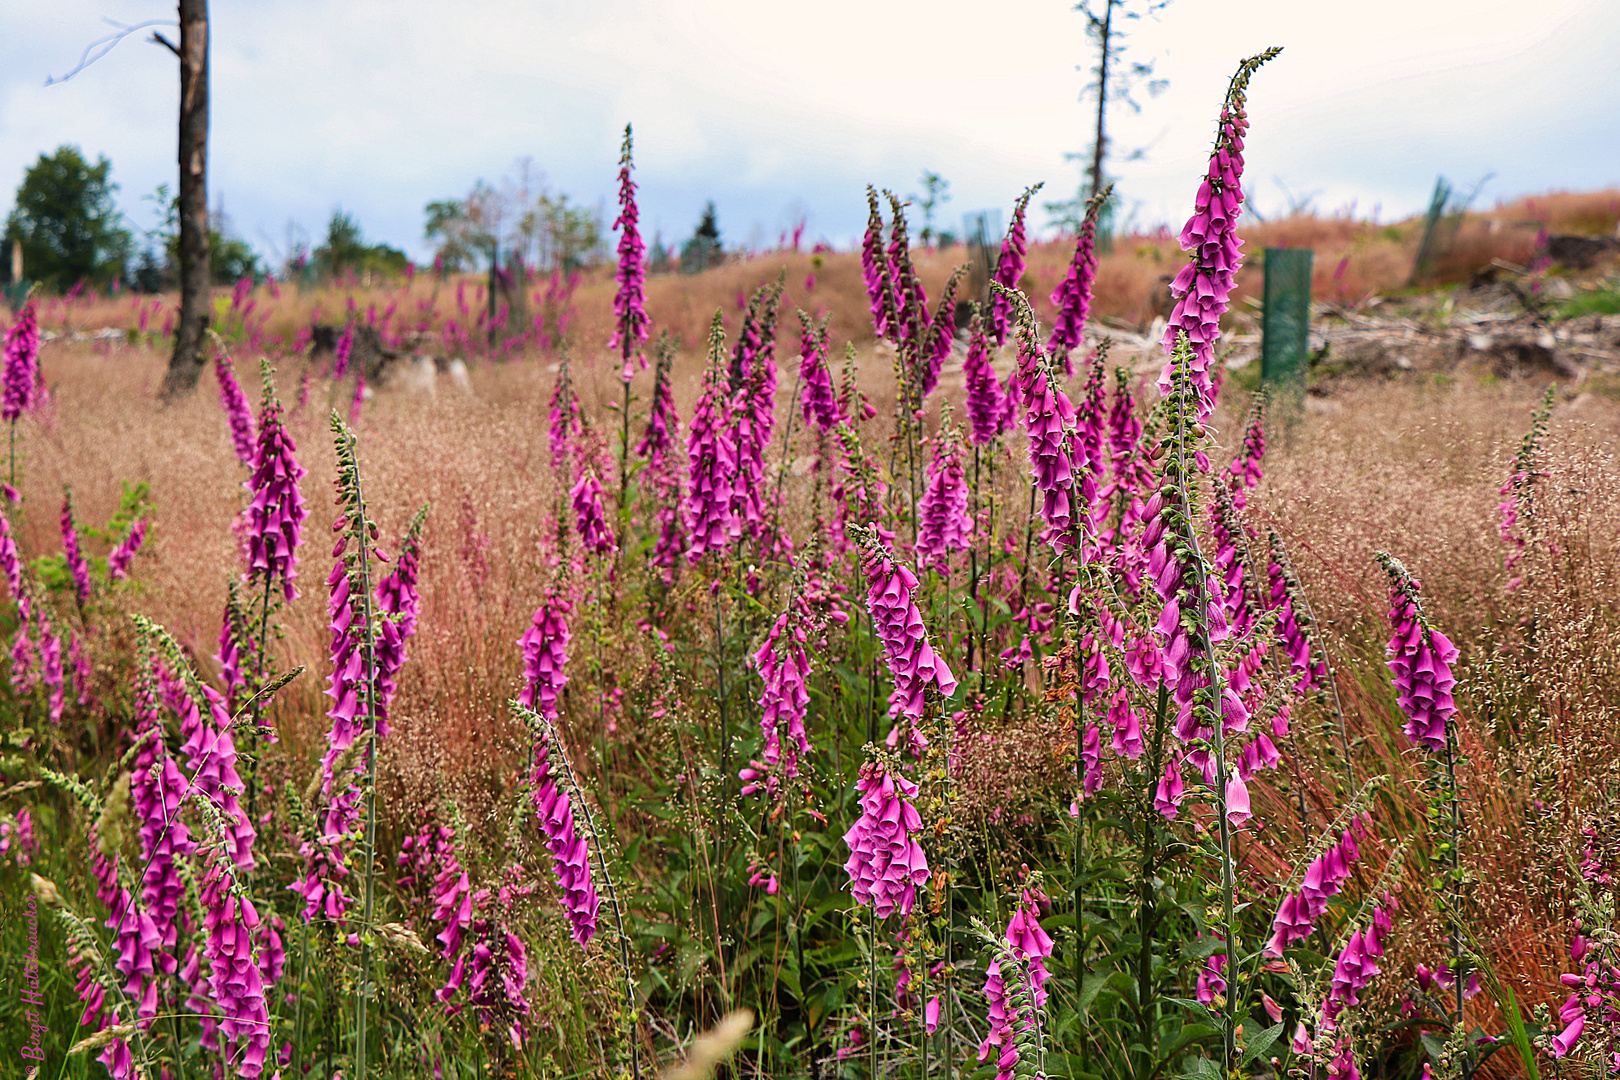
[[380, 106]]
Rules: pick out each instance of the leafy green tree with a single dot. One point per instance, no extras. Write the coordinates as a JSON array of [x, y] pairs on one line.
[[345, 248], [230, 258], [703, 250], [67, 223]]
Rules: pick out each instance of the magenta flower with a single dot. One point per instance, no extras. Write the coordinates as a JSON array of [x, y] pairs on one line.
[[590, 514], [275, 514], [876, 271], [910, 298], [818, 398], [341, 353], [569, 853], [1247, 470], [1357, 964], [783, 662], [399, 603], [50, 664], [940, 335], [1420, 659], [753, 409], [495, 971], [629, 302], [21, 365], [1009, 268], [943, 524], [663, 422], [886, 863], [712, 457], [1324, 877], [1072, 297], [566, 420], [1210, 236], [988, 409], [156, 790], [545, 655], [11, 564], [1032, 946], [1048, 421], [899, 625], [1311, 673], [235, 981], [1226, 531], [237, 411], [78, 567], [124, 554]]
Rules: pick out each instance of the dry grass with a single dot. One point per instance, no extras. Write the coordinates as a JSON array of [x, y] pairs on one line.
[[1413, 469], [1354, 259]]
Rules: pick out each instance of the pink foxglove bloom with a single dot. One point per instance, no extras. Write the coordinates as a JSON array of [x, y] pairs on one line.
[[886, 863], [494, 972], [910, 298], [712, 457], [359, 397], [629, 302], [1010, 268], [569, 853], [399, 603], [275, 515], [566, 421], [943, 524], [783, 662], [78, 567], [875, 269], [1310, 670], [1210, 236], [663, 422], [1226, 532], [545, 656], [11, 564], [1420, 659], [940, 336], [1238, 809], [899, 624], [1032, 946], [344, 348], [236, 983], [1357, 964], [119, 561], [1072, 297], [987, 406], [590, 514], [818, 398], [21, 373], [50, 664], [753, 410], [237, 411], [1049, 422], [1247, 468], [1324, 878], [156, 790]]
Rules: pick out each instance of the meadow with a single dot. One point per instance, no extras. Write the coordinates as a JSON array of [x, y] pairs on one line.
[[747, 672]]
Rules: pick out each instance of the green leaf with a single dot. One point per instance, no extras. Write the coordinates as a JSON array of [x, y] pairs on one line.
[[1521, 1039], [1262, 1043]]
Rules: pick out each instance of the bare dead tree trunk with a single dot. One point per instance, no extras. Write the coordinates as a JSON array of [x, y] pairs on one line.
[[1099, 149], [187, 363]]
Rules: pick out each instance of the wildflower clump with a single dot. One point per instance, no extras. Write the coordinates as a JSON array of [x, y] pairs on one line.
[[886, 863], [1420, 659]]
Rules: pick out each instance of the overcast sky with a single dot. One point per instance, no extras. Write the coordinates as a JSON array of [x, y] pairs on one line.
[[782, 111]]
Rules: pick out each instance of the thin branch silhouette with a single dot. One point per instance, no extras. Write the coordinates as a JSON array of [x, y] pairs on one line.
[[110, 42]]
